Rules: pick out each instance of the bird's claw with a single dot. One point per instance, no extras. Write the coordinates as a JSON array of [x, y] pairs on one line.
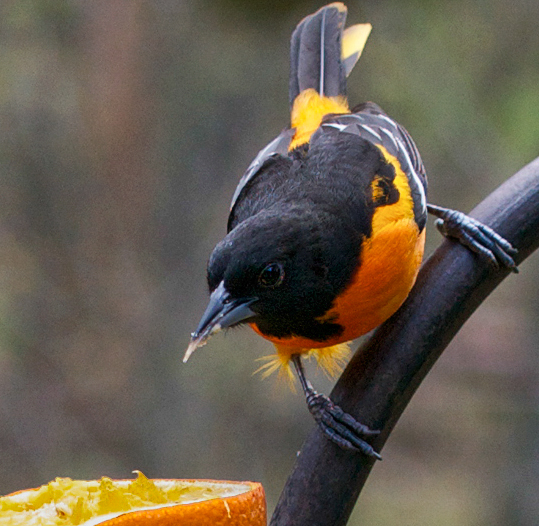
[[340, 427], [476, 236]]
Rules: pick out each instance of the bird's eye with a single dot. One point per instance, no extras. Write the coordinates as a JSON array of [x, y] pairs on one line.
[[272, 276]]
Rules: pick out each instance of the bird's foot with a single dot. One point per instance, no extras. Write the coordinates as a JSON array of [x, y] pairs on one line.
[[479, 238], [340, 427]]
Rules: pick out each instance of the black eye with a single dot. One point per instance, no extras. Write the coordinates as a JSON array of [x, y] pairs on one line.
[[272, 275]]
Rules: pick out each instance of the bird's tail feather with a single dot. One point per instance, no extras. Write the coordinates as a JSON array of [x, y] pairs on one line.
[[322, 54], [354, 39]]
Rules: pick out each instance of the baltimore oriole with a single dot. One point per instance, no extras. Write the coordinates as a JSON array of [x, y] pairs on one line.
[[327, 226]]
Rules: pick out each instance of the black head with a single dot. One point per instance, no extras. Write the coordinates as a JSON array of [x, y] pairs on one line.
[[280, 269]]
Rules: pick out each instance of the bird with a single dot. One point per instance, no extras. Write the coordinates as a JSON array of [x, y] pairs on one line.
[[326, 230]]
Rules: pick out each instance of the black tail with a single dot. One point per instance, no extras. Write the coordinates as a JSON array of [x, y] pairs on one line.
[[315, 53]]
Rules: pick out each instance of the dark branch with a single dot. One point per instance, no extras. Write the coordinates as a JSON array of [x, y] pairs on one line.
[[385, 372]]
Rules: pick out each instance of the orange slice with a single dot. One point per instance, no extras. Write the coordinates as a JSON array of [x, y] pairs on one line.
[[161, 502]]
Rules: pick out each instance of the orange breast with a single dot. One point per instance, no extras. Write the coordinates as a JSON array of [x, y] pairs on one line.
[[389, 267]]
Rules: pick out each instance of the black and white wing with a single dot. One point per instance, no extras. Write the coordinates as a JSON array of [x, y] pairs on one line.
[[271, 159], [279, 146], [371, 123]]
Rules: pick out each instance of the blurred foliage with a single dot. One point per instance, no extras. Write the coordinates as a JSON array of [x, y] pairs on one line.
[[125, 126]]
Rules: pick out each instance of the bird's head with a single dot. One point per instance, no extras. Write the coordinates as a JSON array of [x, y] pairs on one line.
[[280, 271]]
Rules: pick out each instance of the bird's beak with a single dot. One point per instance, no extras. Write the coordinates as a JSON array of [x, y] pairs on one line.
[[222, 312]]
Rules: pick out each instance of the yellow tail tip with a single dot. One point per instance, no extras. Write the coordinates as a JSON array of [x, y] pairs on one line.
[[354, 39]]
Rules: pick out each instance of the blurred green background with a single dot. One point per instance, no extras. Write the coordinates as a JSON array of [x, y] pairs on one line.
[[124, 128]]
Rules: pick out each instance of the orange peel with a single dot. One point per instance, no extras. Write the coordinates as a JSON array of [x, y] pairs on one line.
[[159, 502]]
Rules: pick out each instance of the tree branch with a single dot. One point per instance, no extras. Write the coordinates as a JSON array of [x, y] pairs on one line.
[[385, 372]]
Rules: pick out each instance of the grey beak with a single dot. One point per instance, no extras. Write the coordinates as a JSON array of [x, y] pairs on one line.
[[222, 312]]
